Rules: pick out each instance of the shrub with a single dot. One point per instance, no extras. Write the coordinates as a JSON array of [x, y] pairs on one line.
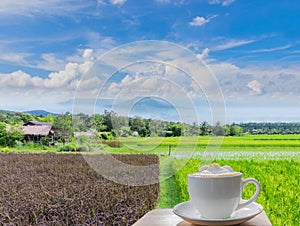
[[83, 148], [106, 135], [5, 150], [45, 141], [112, 143], [69, 147]]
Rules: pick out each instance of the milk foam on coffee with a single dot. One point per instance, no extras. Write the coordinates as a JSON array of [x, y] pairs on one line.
[[216, 170]]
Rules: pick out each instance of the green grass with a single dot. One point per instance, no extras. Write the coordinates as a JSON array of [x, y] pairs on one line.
[[279, 181], [242, 143], [168, 193], [160, 145]]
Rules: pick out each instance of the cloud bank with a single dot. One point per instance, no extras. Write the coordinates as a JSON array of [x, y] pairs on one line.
[[241, 86]]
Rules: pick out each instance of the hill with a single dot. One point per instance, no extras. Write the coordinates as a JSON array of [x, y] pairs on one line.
[[39, 112]]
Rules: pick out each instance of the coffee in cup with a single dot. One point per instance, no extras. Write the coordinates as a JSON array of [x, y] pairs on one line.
[[216, 192]]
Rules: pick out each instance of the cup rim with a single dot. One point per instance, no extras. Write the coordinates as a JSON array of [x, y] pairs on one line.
[[217, 176]]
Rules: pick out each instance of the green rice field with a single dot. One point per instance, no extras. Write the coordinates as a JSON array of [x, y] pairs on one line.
[[280, 196], [272, 159], [236, 143]]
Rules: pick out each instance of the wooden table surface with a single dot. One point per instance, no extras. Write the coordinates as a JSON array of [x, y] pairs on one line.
[[166, 217]]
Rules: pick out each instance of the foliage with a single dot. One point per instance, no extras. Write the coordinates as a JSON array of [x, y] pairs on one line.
[[3, 134], [45, 141], [25, 117], [32, 145], [139, 125], [99, 123], [48, 118], [233, 130], [175, 128], [218, 129], [49, 189], [69, 147], [205, 129], [112, 143], [4, 150], [82, 144], [106, 135], [279, 186], [110, 123], [9, 134], [271, 128], [63, 126]]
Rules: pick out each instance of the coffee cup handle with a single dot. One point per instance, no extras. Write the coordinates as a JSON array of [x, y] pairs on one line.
[[244, 203]]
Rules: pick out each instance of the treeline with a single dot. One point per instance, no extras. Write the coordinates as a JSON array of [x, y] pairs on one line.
[[271, 127], [66, 125]]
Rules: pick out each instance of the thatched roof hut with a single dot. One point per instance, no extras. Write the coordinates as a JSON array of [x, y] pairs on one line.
[[34, 131]]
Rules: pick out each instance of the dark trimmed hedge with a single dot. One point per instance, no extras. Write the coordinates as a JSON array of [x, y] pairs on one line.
[[53, 189]]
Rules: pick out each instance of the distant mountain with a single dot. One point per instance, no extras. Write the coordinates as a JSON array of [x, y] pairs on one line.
[[151, 107], [39, 112]]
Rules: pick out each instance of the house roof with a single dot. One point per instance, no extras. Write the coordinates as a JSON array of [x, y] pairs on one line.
[[33, 123], [87, 134], [37, 128]]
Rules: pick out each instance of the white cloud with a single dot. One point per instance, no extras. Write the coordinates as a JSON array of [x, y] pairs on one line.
[[198, 21], [117, 2], [64, 81], [204, 54], [88, 54], [256, 87], [258, 84], [15, 79], [238, 84], [99, 42], [16, 58], [21, 91], [34, 7], [221, 2], [163, 1], [51, 62], [100, 2], [271, 49], [231, 44]]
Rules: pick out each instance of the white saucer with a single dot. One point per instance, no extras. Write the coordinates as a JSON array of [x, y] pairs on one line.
[[186, 211]]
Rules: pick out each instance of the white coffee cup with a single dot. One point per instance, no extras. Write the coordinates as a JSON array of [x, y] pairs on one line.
[[218, 196]]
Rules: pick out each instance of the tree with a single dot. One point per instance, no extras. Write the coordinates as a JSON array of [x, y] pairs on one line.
[[175, 128], [108, 119], [3, 134], [80, 122], [63, 126], [10, 134], [139, 125], [114, 122], [194, 129], [156, 127], [27, 117], [49, 118], [235, 130], [99, 123], [218, 129], [204, 128]]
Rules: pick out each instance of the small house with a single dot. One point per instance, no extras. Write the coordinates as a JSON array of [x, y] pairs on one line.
[[34, 131]]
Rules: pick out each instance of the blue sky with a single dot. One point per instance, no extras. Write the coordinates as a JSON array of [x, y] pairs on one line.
[[252, 48]]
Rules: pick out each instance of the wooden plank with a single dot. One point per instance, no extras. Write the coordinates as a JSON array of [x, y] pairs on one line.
[[166, 217]]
